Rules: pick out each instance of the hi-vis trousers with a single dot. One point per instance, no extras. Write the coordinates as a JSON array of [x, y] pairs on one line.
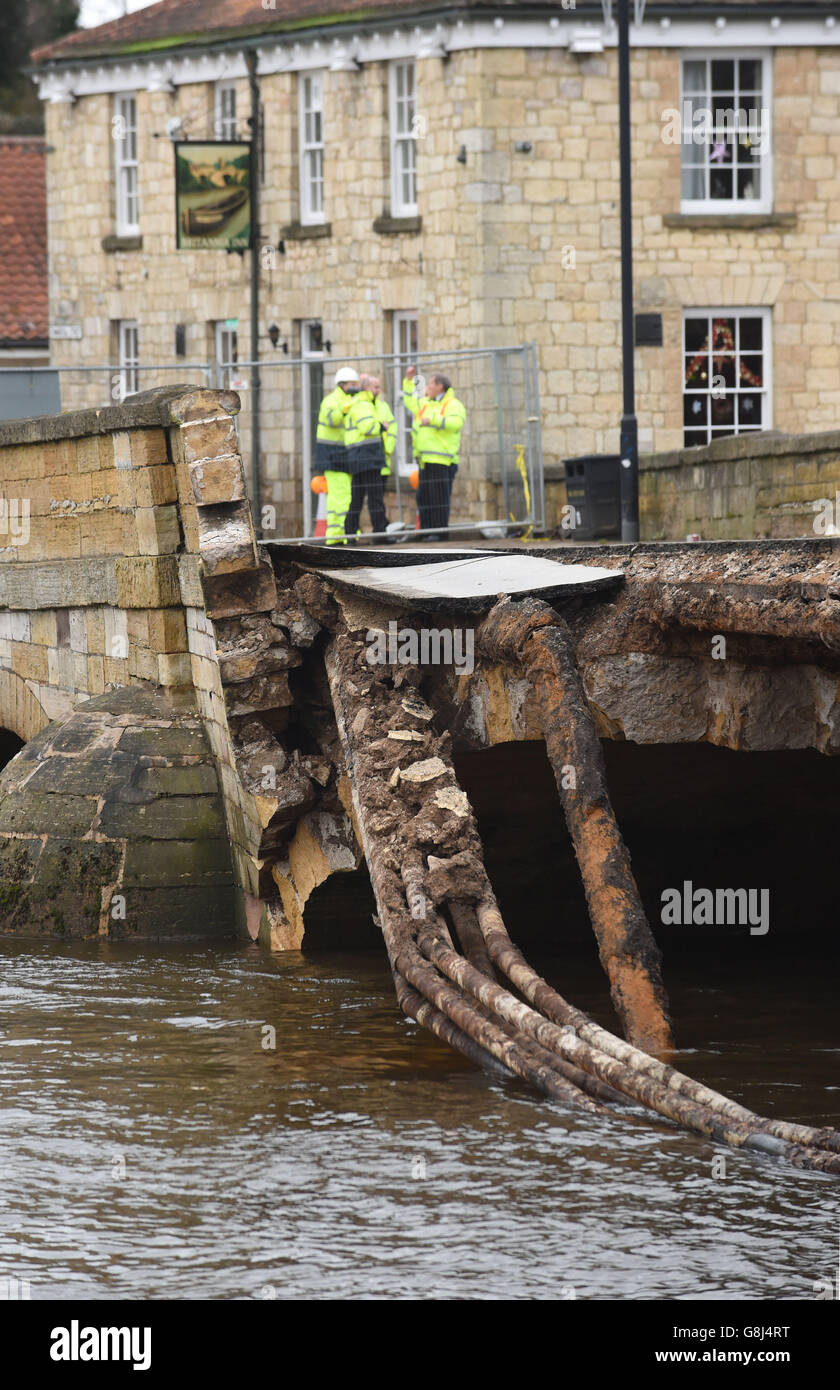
[[339, 492]]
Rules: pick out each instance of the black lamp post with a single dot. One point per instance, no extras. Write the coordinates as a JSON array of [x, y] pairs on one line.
[[629, 446]]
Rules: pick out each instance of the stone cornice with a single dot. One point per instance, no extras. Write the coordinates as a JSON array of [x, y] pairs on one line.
[[349, 47]]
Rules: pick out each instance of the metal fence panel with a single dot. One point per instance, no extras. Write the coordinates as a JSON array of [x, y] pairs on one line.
[[499, 480]]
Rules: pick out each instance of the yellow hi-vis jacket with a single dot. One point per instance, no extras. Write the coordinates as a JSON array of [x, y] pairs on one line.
[[437, 425], [330, 434], [388, 429], [370, 434]]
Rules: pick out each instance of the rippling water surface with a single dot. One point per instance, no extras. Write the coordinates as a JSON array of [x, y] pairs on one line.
[[151, 1146]]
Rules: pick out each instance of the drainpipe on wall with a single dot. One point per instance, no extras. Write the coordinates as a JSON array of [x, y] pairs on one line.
[[254, 88]]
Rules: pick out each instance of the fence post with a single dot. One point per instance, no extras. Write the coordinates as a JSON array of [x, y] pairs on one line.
[[535, 454], [501, 435], [399, 416], [529, 415]]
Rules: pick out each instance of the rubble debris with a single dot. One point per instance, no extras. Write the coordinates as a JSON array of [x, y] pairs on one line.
[[452, 799], [455, 879], [424, 771], [293, 619], [417, 708], [316, 600]]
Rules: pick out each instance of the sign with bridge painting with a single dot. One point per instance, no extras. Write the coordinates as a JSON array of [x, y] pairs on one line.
[[213, 195]]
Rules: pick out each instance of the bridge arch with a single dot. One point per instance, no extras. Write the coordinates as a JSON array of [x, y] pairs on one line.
[[21, 713]]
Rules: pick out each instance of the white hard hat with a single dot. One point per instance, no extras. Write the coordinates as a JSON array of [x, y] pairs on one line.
[[345, 374]]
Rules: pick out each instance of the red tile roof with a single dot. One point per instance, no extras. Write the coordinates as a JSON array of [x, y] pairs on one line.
[[172, 23], [24, 315], [197, 21]]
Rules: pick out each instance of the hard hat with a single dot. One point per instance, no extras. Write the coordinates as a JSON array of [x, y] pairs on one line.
[[345, 374], [318, 483], [414, 478]]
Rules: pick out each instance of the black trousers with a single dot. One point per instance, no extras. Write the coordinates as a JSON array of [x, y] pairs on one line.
[[434, 495], [370, 483]]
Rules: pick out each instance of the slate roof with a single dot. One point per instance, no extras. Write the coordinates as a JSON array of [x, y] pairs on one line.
[[181, 23], [24, 314]]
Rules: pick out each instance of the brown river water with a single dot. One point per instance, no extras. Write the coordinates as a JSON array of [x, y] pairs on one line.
[[152, 1147]]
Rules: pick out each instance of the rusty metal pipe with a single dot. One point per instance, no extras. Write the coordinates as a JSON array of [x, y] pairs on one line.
[[421, 975], [584, 1080], [670, 1104], [470, 938], [567, 1045], [531, 635], [511, 962], [415, 1006]]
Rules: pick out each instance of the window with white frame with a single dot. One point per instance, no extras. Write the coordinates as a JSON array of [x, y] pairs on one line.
[[128, 342], [726, 373], [225, 110], [227, 352], [403, 120], [726, 134], [311, 123], [124, 127]]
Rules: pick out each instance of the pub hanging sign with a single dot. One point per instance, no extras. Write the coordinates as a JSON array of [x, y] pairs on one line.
[[213, 195]]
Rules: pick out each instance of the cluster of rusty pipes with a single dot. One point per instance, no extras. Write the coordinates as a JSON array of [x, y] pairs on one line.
[[456, 969]]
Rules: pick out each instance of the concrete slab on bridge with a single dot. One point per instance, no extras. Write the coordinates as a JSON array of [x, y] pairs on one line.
[[468, 581]]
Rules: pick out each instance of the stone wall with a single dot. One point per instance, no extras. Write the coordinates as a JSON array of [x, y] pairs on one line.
[[132, 562], [90, 575], [758, 486], [116, 518], [751, 487], [485, 266]]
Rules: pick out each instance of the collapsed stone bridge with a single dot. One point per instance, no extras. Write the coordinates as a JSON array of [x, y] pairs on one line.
[[166, 674], [208, 746]]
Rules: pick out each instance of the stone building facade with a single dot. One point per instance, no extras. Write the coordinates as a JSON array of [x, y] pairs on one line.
[[510, 233]]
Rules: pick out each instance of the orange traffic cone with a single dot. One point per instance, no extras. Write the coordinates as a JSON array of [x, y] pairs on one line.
[[414, 480], [319, 486]]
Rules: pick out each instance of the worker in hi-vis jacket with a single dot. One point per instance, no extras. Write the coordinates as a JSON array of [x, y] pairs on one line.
[[331, 450], [370, 439], [438, 419]]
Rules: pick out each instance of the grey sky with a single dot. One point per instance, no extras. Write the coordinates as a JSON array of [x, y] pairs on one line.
[[100, 11]]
